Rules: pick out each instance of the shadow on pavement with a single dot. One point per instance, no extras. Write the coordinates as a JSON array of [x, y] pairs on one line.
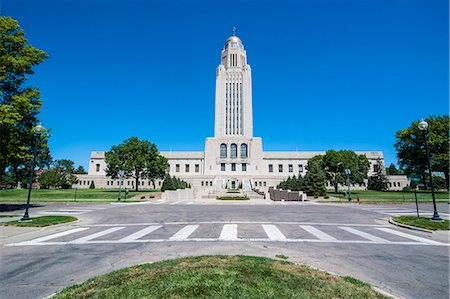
[[14, 207]]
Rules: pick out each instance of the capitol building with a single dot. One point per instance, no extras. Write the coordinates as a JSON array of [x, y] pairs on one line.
[[233, 158]]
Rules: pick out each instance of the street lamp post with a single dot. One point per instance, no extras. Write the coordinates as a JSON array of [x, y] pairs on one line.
[[121, 173], [423, 126], [348, 172], [39, 129]]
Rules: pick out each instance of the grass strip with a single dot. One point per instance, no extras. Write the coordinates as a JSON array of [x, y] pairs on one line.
[[41, 221], [220, 277], [423, 222]]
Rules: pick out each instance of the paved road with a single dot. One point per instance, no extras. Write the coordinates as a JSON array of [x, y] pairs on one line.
[[346, 239]]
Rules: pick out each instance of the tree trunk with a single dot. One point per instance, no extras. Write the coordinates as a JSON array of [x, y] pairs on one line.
[[136, 188], [154, 184], [336, 187], [446, 178]]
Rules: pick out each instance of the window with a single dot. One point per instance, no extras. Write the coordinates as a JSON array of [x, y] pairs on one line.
[[270, 168], [244, 153], [128, 183], [265, 184], [375, 167], [118, 183], [210, 183], [223, 151], [280, 167], [107, 183], [97, 167], [233, 166], [291, 168], [159, 183], [300, 168], [222, 166], [202, 183], [197, 168], [233, 151], [244, 166], [187, 167], [177, 167]]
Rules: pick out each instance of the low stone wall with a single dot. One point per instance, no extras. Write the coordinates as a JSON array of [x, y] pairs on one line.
[[286, 195], [180, 194]]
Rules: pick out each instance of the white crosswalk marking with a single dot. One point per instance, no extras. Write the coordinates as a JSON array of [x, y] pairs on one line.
[[184, 233], [229, 232], [273, 232], [58, 235], [363, 234], [408, 236], [176, 202], [317, 233], [96, 235], [140, 234]]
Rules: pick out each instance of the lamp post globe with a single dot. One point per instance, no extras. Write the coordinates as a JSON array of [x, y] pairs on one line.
[[38, 130], [423, 126]]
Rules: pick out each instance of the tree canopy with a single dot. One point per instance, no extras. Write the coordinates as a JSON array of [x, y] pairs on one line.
[[139, 159], [19, 104], [61, 175], [410, 146], [335, 162]]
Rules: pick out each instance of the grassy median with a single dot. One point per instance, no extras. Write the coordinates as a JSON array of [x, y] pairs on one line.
[[41, 221], [65, 195], [423, 222], [220, 277]]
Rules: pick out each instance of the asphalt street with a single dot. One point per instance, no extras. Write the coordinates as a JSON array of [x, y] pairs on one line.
[[347, 239]]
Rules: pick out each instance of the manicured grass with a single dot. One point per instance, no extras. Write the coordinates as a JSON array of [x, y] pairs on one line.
[[41, 221], [232, 198], [220, 277], [423, 222], [392, 196], [50, 195]]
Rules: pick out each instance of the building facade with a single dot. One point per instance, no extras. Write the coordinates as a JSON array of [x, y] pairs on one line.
[[233, 158]]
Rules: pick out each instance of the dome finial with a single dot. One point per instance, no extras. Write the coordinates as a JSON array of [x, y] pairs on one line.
[[233, 32]]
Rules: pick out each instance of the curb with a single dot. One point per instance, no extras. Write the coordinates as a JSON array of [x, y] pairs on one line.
[[391, 221]]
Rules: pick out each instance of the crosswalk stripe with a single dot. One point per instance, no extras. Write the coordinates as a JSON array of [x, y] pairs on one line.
[[184, 233], [176, 202], [96, 235], [57, 235], [363, 234], [317, 233], [408, 236], [273, 232], [140, 233], [229, 232]]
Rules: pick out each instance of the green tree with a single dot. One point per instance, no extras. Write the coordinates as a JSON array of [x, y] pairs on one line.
[[335, 162], [49, 178], [137, 158], [92, 185], [378, 181], [439, 183], [168, 183], [392, 170], [80, 170], [410, 146], [315, 179], [19, 105]]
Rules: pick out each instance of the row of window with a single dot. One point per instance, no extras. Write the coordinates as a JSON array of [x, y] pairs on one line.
[[233, 167], [207, 183], [233, 152], [130, 182], [187, 168], [290, 168], [260, 184], [394, 184]]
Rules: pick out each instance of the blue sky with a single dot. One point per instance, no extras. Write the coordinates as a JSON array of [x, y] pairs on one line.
[[327, 74]]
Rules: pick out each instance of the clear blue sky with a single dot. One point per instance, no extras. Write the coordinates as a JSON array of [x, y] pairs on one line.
[[327, 74]]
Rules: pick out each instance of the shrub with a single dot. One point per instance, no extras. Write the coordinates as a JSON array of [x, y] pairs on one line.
[[92, 185]]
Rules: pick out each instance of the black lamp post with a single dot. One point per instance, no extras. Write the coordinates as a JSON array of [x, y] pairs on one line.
[[39, 129], [423, 126]]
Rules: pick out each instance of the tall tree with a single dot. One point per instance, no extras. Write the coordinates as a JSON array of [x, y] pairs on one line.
[[410, 146], [378, 181], [80, 170], [315, 179], [137, 158], [335, 162], [392, 170], [19, 105]]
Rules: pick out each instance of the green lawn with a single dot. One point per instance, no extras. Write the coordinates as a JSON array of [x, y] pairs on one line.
[[423, 222], [392, 196], [43, 195], [220, 277], [41, 221]]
